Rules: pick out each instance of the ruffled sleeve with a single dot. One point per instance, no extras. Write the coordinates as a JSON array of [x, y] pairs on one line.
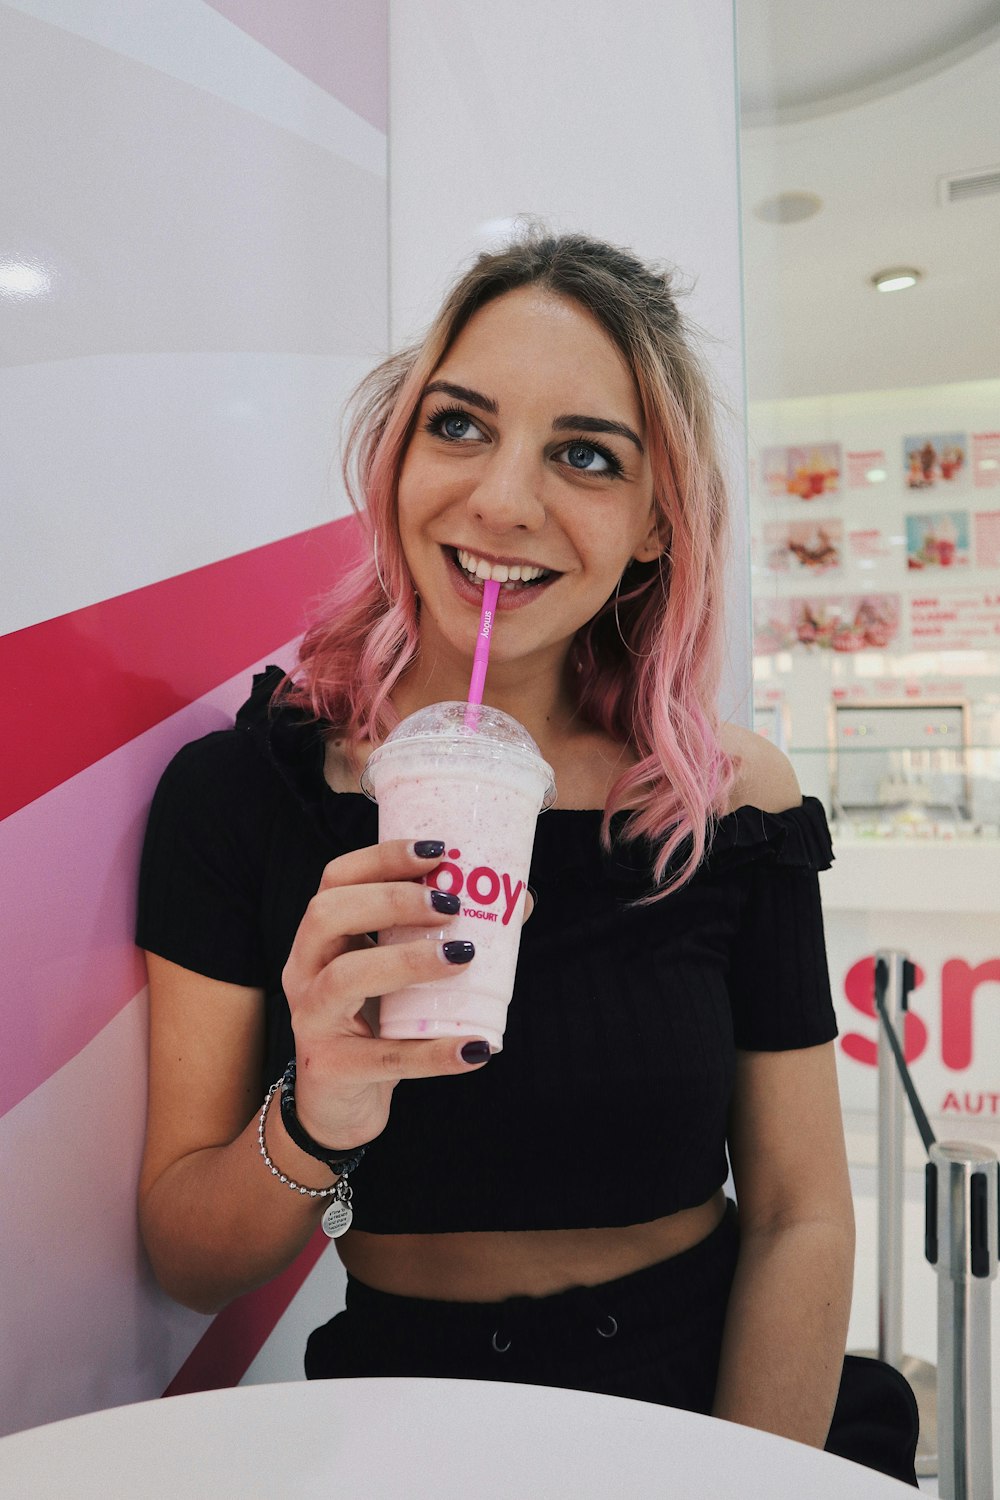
[[779, 981]]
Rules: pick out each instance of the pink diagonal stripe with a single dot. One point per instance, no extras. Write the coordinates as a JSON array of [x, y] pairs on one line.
[[341, 45], [85, 683], [68, 867], [228, 1348]]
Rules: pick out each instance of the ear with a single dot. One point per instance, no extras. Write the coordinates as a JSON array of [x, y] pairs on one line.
[[651, 545]]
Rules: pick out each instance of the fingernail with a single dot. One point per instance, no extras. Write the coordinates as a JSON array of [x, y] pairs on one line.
[[445, 902], [534, 896], [429, 848], [458, 952], [476, 1052]]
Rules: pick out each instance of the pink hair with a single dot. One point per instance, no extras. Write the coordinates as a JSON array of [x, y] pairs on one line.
[[648, 664]]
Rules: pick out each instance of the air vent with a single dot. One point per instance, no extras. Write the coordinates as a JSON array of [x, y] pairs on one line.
[[965, 185]]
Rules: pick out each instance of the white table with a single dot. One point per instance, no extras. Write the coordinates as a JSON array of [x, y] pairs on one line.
[[417, 1440]]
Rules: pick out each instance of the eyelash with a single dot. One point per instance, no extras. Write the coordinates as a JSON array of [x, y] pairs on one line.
[[437, 419]]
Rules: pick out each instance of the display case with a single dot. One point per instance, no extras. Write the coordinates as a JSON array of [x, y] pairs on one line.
[[905, 762]]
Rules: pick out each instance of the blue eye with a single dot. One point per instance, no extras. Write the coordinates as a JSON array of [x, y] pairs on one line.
[[583, 456], [590, 458], [454, 425]]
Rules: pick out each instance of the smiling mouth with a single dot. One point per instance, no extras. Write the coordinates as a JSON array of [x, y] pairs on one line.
[[513, 578]]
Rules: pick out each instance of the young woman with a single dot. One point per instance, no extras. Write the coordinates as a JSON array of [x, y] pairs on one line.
[[553, 1214]]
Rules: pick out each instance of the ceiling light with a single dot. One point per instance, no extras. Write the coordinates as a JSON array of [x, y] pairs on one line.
[[896, 279], [788, 208]]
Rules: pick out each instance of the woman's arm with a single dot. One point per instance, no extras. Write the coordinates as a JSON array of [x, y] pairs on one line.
[[786, 1326], [214, 1220]]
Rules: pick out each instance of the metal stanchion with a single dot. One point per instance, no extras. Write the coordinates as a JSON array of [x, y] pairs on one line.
[[893, 983], [890, 1167], [962, 1242], [961, 1230]]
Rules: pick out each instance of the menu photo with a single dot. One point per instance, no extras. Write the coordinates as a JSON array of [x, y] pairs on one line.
[[843, 623], [803, 473], [934, 459], [804, 546], [939, 540]]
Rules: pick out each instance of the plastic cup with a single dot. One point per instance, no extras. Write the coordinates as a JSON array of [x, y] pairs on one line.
[[473, 776]]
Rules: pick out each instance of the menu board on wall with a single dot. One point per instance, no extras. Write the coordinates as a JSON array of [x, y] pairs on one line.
[[986, 460], [836, 622], [866, 469], [938, 540], [987, 538], [933, 460], [804, 546], [865, 532], [802, 473], [956, 620]]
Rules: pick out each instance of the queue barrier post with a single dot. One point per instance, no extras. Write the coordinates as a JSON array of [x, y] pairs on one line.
[[894, 978], [962, 1186], [961, 1231]]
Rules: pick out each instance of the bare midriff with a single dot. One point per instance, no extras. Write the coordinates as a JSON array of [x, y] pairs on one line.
[[537, 1263]]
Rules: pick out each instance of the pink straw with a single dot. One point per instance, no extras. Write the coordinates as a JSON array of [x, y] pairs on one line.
[[480, 660]]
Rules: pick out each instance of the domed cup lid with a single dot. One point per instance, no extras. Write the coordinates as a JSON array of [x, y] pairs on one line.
[[463, 731]]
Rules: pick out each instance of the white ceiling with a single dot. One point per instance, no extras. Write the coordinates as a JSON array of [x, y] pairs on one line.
[[868, 108]]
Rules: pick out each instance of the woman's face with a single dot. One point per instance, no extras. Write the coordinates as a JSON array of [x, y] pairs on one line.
[[528, 454]]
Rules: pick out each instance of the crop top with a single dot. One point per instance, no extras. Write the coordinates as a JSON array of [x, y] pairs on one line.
[[608, 1104]]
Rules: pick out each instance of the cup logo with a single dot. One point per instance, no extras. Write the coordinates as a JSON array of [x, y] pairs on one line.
[[482, 885]]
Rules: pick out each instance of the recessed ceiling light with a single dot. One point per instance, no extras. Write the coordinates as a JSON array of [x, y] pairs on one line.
[[896, 279], [788, 208]]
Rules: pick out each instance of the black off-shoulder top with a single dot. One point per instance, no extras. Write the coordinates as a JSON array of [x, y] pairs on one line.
[[609, 1102]]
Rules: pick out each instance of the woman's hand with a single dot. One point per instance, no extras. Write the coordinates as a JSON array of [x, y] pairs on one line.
[[344, 1074]]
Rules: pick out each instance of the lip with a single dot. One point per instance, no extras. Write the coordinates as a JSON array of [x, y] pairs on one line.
[[507, 600]]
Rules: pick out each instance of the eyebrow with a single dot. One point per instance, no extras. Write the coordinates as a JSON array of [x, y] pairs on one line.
[[463, 393], [569, 422], [574, 422]]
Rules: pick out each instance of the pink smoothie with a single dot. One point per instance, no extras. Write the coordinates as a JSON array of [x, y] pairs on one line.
[[483, 797]]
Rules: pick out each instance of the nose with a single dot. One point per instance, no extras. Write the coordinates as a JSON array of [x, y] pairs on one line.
[[508, 494]]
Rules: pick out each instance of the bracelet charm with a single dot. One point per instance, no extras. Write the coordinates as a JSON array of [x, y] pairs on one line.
[[338, 1215]]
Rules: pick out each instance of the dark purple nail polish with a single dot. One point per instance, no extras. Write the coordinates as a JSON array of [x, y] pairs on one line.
[[457, 952], [534, 896], [476, 1052], [429, 848], [445, 902]]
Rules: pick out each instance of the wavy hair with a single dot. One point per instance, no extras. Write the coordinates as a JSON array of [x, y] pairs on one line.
[[648, 664]]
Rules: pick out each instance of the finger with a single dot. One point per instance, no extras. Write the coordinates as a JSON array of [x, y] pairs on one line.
[[384, 1060], [344, 985], [396, 859], [530, 902], [339, 913]]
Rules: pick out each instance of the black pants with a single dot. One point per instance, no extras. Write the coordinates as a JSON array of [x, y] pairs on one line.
[[653, 1336]]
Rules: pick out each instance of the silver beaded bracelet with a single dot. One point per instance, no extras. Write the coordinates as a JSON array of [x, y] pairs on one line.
[[296, 1187], [337, 1217]]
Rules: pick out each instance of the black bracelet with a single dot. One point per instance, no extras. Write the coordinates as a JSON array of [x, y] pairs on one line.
[[341, 1162]]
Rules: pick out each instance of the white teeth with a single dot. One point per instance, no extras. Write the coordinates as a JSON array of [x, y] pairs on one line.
[[499, 572]]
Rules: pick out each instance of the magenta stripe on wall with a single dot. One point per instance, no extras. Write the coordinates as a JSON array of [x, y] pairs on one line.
[[85, 683], [68, 866], [228, 1348]]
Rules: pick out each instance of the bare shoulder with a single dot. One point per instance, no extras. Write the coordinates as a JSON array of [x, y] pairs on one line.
[[764, 774]]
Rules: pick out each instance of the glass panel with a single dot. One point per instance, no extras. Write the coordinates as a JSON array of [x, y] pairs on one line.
[[869, 145]]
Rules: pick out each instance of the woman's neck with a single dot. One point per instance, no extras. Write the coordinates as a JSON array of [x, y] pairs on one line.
[[533, 692]]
